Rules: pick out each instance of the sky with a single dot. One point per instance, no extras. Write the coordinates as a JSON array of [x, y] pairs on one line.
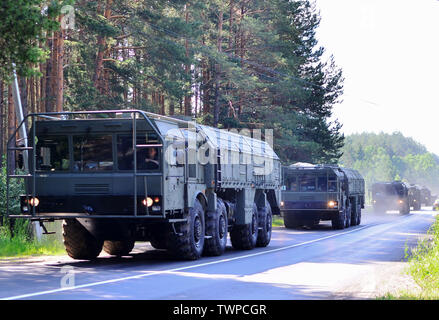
[[389, 53]]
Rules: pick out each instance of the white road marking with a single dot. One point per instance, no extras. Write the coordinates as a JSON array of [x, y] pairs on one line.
[[152, 273]]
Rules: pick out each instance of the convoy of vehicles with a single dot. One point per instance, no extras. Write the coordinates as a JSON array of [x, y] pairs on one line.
[[391, 196], [321, 192], [115, 177]]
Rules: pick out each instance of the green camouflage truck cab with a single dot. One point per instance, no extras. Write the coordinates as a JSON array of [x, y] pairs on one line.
[[391, 196], [115, 177], [311, 193]]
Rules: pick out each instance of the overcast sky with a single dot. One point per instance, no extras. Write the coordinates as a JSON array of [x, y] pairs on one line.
[[389, 53]]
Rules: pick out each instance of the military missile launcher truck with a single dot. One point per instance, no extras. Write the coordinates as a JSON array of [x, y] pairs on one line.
[[415, 197], [391, 196], [311, 193], [115, 177]]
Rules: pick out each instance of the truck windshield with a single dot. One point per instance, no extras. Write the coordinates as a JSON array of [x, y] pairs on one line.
[[332, 184], [52, 153], [92, 153], [307, 183], [383, 189], [291, 184], [147, 158]]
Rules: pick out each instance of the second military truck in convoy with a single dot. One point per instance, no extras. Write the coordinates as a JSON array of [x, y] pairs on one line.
[[391, 196], [321, 192], [115, 177], [415, 197]]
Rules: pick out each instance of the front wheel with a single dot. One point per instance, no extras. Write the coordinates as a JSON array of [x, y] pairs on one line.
[[339, 220], [188, 241], [79, 243], [291, 221]]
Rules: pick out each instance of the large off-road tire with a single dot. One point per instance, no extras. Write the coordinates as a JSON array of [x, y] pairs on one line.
[[244, 237], [291, 221], [158, 241], [118, 248], [358, 215], [188, 243], [159, 236], [339, 220], [405, 210], [348, 216], [354, 215], [79, 243], [265, 218], [216, 227]]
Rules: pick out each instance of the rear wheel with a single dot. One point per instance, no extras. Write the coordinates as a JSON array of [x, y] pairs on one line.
[[244, 237], [188, 242], [265, 225], [354, 215], [118, 248], [216, 227], [79, 243], [158, 241], [358, 215], [348, 216]]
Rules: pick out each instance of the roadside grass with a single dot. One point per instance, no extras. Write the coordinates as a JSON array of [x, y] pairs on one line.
[[278, 221], [21, 245], [423, 267]]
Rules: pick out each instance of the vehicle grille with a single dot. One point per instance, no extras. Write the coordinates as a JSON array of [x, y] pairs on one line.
[[92, 188]]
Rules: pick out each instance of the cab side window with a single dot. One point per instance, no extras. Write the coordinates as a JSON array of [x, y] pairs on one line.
[[332, 184]]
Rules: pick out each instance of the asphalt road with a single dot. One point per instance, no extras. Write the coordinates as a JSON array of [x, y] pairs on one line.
[[354, 263]]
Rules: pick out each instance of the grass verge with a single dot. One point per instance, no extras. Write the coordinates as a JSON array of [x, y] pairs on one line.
[[21, 245], [278, 221], [423, 267]]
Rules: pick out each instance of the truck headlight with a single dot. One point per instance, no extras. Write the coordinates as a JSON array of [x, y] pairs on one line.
[[332, 204], [147, 202], [34, 202], [282, 203]]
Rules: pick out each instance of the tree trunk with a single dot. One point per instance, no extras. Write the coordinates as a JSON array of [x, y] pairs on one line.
[[102, 48], [217, 72], [2, 116], [48, 84], [187, 98], [59, 72], [11, 128]]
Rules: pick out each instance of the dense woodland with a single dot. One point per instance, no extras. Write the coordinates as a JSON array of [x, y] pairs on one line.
[[229, 64], [388, 157]]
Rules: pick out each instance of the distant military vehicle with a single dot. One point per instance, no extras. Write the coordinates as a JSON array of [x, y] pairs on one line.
[[391, 196], [321, 192], [120, 176], [426, 196], [415, 197]]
